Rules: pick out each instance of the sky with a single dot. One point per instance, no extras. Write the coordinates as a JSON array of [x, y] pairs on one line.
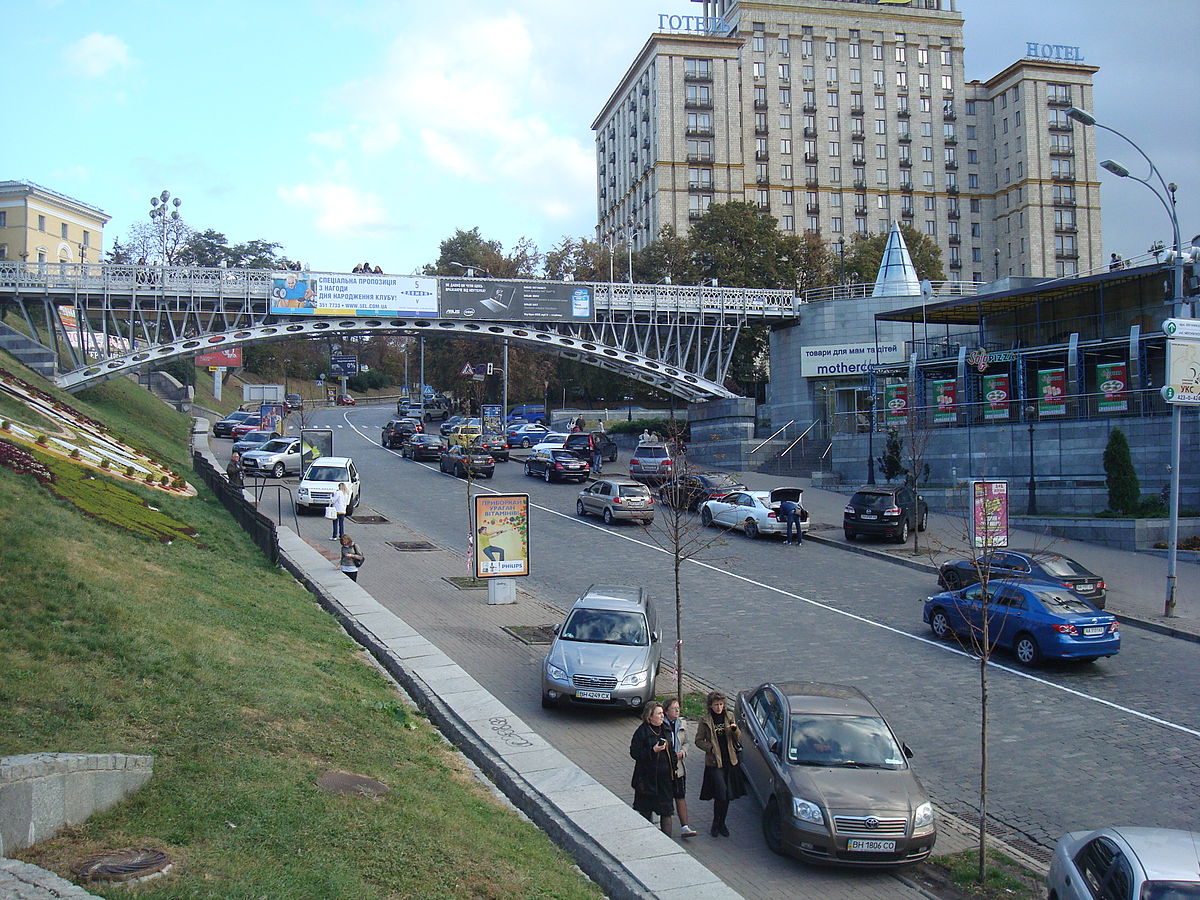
[[370, 130]]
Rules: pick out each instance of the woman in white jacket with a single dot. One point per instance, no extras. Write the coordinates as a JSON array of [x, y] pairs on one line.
[[341, 505], [677, 727]]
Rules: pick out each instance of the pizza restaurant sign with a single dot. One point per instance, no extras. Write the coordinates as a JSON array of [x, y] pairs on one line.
[[981, 359]]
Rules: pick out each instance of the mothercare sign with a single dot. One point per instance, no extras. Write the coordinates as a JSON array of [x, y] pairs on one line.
[[847, 359]]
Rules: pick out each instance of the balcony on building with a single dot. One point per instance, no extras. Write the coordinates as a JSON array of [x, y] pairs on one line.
[[857, 110], [954, 240], [906, 187], [860, 210], [858, 135], [761, 130], [904, 138], [810, 132], [950, 140], [948, 117], [699, 157], [812, 183], [760, 104], [1062, 151], [810, 157], [907, 213], [810, 109], [1066, 254], [815, 232], [860, 184], [698, 76], [694, 214], [1063, 201], [761, 155], [906, 163], [1062, 176], [762, 179], [952, 189], [1059, 101], [1066, 229], [1061, 126], [956, 263], [699, 132], [814, 208], [858, 161], [902, 114], [690, 104], [952, 214], [952, 166], [765, 205]]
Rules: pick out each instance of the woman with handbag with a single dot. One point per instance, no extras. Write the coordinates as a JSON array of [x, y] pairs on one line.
[[351, 558], [717, 736], [653, 767], [337, 510]]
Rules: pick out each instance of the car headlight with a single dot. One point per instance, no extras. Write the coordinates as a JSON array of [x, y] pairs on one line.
[[302, 492], [923, 815], [807, 812], [637, 679], [555, 672]]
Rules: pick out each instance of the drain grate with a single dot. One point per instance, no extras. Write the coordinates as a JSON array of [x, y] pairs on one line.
[[130, 864], [412, 545], [531, 634], [369, 520]]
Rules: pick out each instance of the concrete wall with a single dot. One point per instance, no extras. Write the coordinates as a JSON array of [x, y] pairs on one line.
[[42, 792], [722, 433]]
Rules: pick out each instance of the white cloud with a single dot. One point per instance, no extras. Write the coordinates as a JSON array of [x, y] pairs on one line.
[[97, 54], [338, 208]]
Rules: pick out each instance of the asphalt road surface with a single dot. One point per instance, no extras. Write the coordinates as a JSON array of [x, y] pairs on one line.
[[1073, 746]]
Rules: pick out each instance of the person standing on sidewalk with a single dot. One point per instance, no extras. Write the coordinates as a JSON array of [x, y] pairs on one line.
[[351, 558], [233, 471], [677, 728], [717, 736], [653, 767], [341, 505]]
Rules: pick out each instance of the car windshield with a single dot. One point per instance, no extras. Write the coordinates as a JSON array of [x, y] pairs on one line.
[[277, 446], [634, 490], [237, 417], [260, 436], [1170, 890], [1061, 566], [859, 742], [605, 626], [652, 452], [1062, 603], [872, 501], [327, 473]]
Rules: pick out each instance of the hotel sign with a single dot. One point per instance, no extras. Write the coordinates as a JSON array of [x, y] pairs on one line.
[[1057, 52], [694, 24]]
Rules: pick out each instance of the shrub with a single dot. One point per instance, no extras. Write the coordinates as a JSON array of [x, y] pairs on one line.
[[1124, 492], [891, 464]]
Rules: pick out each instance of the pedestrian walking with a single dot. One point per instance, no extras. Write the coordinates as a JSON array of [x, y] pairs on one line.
[[597, 458], [351, 558], [793, 513], [717, 736], [340, 506], [650, 748], [233, 471], [677, 728]]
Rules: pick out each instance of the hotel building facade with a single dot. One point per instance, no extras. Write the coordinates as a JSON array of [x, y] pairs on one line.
[[841, 116]]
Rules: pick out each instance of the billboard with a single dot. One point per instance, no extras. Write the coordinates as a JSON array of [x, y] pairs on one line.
[[1113, 381], [895, 400], [997, 394], [338, 294], [847, 359], [515, 301], [493, 422], [1052, 390], [945, 398], [500, 533], [989, 514], [228, 357]]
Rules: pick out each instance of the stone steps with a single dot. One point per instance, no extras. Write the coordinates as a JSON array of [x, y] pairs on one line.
[[36, 356]]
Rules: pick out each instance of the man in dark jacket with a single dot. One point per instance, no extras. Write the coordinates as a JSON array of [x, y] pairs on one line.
[[233, 471], [790, 511]]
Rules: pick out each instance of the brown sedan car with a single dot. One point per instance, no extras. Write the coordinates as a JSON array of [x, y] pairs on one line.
[[833, 780]]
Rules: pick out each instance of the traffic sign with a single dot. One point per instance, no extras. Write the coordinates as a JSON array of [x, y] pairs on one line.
[[1183, 372], [479, 370], [1182, 329], [468, 369]]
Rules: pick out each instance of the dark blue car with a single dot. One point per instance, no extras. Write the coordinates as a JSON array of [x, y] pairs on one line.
[[1035, 620]]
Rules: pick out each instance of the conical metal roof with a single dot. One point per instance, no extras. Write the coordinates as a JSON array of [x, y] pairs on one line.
[[897, 276]]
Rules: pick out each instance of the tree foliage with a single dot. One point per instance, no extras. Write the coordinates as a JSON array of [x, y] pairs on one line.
[[891, 463], [1124, 490], [866, 252]]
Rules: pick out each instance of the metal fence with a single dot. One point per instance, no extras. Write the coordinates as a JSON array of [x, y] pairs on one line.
[[260, 528]]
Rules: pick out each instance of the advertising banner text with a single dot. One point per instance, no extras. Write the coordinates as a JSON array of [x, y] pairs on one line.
[[1113, 381], [997, 393], [945, 399], [989, 514], [500, 533], [514, 301], [338, 294], [1052, 389]]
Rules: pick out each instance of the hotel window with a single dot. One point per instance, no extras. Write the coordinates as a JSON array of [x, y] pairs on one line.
[[881, 126], [1016, 92], [786, 171], [831, 49], [699, 68], [1020, 171], [1062, 168], [877, 52], [976, 230], [760, 96], [3, 218], [856, 76], [785, 96], [902, 102], [855, 51], [701, 122], [1064, 243], [881, 151], [879, 104], [700, 178], [881, 176], [835, 148], [831, 98], [784, 46], [976, 254], [923, 80], [930, 227], [881, 201], [810, 173], [906, 152], [855, 100], [787, 198], [809, 74], [806, 47], [835, 174], [758, 43], [926, 105], [926, 154], [698, 93], [785, 120], [763, 199], [927, 179], [976, 204], [947, 82], [950, 157], [87, 239], [971, 109], [814, 224], [1066, 267], [972, 156], [970, 132], [785, 145], [760, 146], [900, 54], [835, 201], [1060, 143], [1064, 218], [831, 74], [1064, 193], [930, 203], [952, 227], [41, 223], [877, 78], [785, 72], [3, 251], [810, 148], [860, 226], [922, 56], [1058, 93], [902, 79], [833, 123], [698, 203], [760, 122], [951, 180], [760, 70], [789, 223], [973, 184], [947, 57], [1017, 119], [697, 149], [835, 224], [1003, 100], [62, 231]]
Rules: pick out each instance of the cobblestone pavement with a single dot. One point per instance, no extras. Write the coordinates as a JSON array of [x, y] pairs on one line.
[[25, 881]]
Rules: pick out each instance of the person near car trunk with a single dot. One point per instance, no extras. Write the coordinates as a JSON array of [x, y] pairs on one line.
[[790, 510], [717, 736], [233, 471], [653, 767], [676, 727], [350, 559], [341, 505]]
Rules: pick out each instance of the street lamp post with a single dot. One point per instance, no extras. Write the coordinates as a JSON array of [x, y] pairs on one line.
[[1167, 198], [871, 430], [631, 231], [996, 257], [159, 213], [1031, 510]]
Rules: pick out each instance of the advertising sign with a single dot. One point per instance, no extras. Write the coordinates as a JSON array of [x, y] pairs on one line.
[[492, 422], [989, 514], [847, 359], [314, 443], [1113, 381], [272, 417], [1052, 390], [1183, 372], [500, 533], [344, 366], [997, 393], [338, 294], [228, 357], [895, 400], [945, 398], [515, 301]]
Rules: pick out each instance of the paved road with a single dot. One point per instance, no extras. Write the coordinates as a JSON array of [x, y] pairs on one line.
[[1072, 746]]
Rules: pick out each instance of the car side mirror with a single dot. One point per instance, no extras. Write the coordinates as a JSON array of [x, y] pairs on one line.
[[655, 637], [555, 629], [776, 748], [908, 754]]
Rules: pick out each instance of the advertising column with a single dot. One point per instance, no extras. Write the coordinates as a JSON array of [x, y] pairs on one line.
[[989, 514]]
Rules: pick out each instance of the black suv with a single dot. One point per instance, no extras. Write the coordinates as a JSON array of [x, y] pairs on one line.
[[890, 510], [396, 431], [583, 444]]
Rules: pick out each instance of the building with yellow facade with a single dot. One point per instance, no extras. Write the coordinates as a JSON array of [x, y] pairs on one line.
[[40, 225]]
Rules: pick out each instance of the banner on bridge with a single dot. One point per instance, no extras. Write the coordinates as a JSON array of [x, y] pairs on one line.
[[515, 301], [336, 294]]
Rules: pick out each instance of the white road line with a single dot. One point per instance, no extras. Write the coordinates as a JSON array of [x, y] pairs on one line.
[[940, 645]]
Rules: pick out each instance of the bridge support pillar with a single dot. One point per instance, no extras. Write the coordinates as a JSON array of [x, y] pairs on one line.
[[722, 433]]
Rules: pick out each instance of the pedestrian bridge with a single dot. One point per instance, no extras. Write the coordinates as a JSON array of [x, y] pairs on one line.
[[101, 321]]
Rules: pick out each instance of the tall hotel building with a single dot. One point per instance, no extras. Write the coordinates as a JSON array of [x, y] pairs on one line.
[[840, 116]]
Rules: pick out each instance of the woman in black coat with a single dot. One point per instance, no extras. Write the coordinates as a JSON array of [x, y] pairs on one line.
[[652, 768]]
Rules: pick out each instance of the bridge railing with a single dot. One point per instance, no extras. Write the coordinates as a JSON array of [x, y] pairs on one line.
[[941, 289]]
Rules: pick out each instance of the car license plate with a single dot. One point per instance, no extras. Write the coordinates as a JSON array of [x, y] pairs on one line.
[[593, 695], [868, 516], [1085, 587], [866, 846], [1090, 632]]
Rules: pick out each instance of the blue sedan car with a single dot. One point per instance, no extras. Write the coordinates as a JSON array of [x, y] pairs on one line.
[[1033, 619]]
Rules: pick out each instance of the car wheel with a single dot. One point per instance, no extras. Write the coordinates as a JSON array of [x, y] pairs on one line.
[[1027, 649], [772, 826], [939, 623], [751, 529], [525, 445], [608, 517], [612, 458], [706, 517], [383, 442], [547, 475], [528, 471], [277, 470], [902, 532], [547, 703], [952, 579], [850, 535], [924, 523], [580, 509]]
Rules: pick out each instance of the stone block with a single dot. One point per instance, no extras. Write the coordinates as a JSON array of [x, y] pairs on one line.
[[79, 797], [109, 787], [675, 871], [16, 810], [46, 806]]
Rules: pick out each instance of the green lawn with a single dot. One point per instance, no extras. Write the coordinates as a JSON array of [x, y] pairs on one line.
[[245, 692]]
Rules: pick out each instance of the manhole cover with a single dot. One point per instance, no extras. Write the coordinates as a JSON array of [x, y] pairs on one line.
[[412, 545], [368, 520], [130, 864], [349, 784], [531, 634]]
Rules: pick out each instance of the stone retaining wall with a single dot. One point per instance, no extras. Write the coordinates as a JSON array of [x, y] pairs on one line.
[[42, 792]]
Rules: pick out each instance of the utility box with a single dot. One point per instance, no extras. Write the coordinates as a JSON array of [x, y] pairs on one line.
[[262, 393]]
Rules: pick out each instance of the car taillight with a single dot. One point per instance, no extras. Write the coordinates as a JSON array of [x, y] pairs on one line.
[[717, 496], [771, 515], [1067, 585], [558, 465], [849, 510], [1113, 629], [1066, 629], [1100, 585], [650, 501], [894, 511], [667, 463], [634, 461], [616, 499]]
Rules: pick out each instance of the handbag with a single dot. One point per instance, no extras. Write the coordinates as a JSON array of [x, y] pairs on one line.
[[330, 512]]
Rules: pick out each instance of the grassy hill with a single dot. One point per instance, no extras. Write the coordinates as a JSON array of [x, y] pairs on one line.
[[245, 692]]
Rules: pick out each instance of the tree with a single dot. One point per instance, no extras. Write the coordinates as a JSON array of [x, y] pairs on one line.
[[1124, 491], [739, 244], [866, 252], [891, 464], [119, 254], [471, 249], [208, 249], [579, 258], [669, 256]]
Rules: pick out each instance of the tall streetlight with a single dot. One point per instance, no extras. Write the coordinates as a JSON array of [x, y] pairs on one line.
[[1167, 198], [160, 213], [1030, 415], [631, 230]]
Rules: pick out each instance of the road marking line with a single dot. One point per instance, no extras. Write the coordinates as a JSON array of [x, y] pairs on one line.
[[857, 618]]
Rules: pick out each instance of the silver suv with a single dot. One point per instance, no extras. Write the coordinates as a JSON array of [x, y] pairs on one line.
[[652, 463], [606, 653], [276, 458]]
